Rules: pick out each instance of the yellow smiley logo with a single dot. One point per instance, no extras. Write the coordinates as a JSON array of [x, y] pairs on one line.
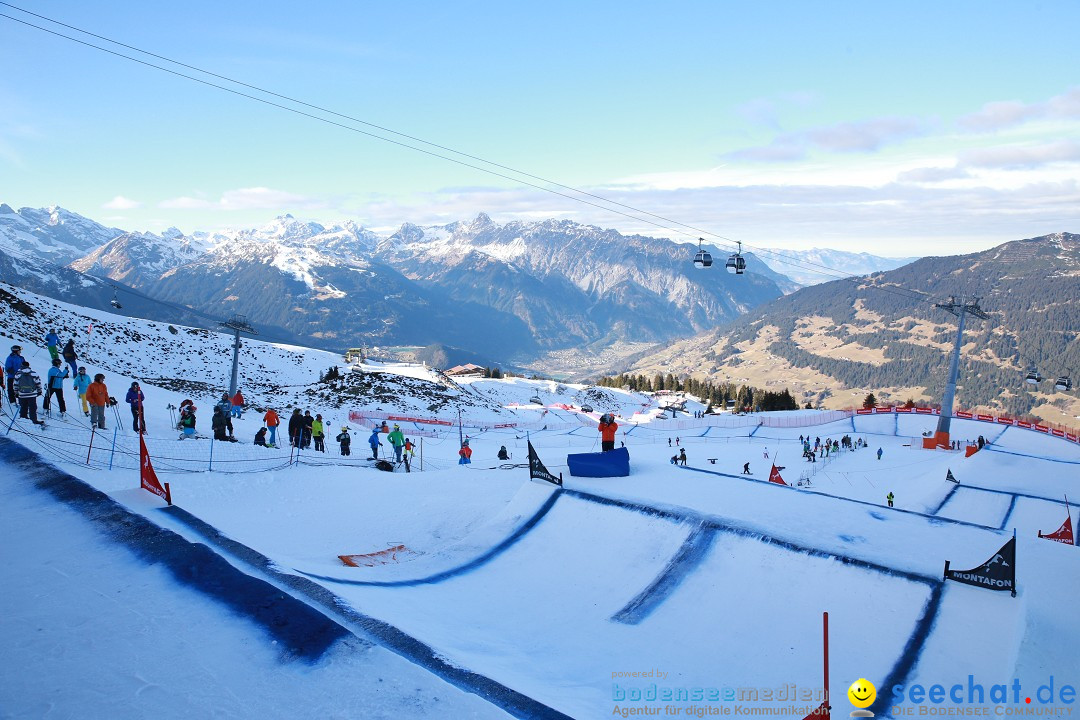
[[862, 693]]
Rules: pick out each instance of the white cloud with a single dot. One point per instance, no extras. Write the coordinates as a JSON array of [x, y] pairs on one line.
[[122, 203], [864, 136], [255, 198], [998, 115], [1022, 156]]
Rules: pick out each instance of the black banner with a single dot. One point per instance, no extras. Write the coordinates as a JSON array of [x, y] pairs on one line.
[[537, 471], [997, 573]]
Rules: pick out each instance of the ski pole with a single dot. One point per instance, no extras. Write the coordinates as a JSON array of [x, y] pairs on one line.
[[91, 448]]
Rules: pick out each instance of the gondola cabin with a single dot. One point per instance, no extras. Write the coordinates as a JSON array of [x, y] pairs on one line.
[[736, 264], [703, 258], [1033, 377], [1064, 384]]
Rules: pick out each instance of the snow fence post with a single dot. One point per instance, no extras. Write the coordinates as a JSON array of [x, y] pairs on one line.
[[211, 454], [113, 451], [89, 449], [13, 416]]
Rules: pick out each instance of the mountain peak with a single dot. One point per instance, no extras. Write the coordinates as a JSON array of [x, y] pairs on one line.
[[482, 220]]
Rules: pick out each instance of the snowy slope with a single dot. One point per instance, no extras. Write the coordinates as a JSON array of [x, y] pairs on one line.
[[714, 578]]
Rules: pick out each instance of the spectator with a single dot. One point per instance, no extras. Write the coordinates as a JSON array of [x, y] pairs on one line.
[[97, 395]]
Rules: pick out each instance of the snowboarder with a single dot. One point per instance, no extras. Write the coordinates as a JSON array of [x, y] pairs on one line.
[[135, 399], [187, 423], [97, 395], [465, 453], [272, 421], [746, 469], [12, 366], [52, 341], [397, 440], [879, 453], [260, 437], [70, 357], [318, 433], [225, 405], [344, 440], [28, 386], [682, 456], [982, 442], [607, 429], [675, 459], [56, 387], [237, 404], [890, 497], [374, 442], [503, 455]]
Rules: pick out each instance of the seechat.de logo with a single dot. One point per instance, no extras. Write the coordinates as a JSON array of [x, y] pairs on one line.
[[862, 694]]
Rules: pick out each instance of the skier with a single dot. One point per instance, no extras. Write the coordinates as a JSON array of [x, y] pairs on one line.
[[56, 387], [765, 455], [219, 425], [70, 357], [410, 453], [465, 453], [135, 399], [879, 453], [746, 469], [12, 366], [669, 442], [260, 437], [682, 456], [272, 421], [607, 428], [503, 455], [225, 404], [397, 440], [318, 433], [237, 403], [890, 497], [187, 420], [28, 386], [305, 430], [52, 340], [345, 440], [374, 442], [296, 425], [97, 395]]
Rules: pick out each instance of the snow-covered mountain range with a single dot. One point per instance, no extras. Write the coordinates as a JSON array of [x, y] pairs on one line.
[[819, 265], [505, 291]]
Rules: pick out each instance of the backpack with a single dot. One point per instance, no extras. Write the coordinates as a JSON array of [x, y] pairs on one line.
[[27, 385]]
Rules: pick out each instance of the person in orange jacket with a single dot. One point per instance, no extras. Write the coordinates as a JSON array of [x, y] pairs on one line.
[[465, 453], [607, 429], [271, 421], [97, 394]]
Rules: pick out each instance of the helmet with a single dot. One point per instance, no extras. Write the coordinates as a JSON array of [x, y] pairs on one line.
[[82, 369], [16, 348], [465, 441], [344, 429], [56, 362]]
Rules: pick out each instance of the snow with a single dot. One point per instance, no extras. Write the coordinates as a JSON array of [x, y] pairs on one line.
[[711, 577]]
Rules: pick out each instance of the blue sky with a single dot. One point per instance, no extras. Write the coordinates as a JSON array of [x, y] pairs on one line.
[[899, 129]]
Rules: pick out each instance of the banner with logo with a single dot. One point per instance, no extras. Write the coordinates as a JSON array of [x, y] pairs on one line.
[[950, 477], [997, 573], [537, 471], [147, 476], [774, 476], [1063, 534]]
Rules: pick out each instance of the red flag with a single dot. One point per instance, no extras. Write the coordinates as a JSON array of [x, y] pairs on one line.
[[1063, 534], [148, 476], [774, 476]]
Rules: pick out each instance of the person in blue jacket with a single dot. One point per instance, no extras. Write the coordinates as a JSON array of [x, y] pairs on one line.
[[135, 399], [12, 366], [56, 387], [82, 382], [52, 342], [374, 442]]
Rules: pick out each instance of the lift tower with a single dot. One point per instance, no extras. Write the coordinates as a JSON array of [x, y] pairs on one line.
[[238, 324], [960, 309]]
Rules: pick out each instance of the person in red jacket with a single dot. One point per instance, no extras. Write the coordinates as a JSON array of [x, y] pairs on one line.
[[237, 402], [607, 428], [465, 453]]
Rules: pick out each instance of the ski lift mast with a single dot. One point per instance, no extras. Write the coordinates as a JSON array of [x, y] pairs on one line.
[[238, 324], [961, 310]]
